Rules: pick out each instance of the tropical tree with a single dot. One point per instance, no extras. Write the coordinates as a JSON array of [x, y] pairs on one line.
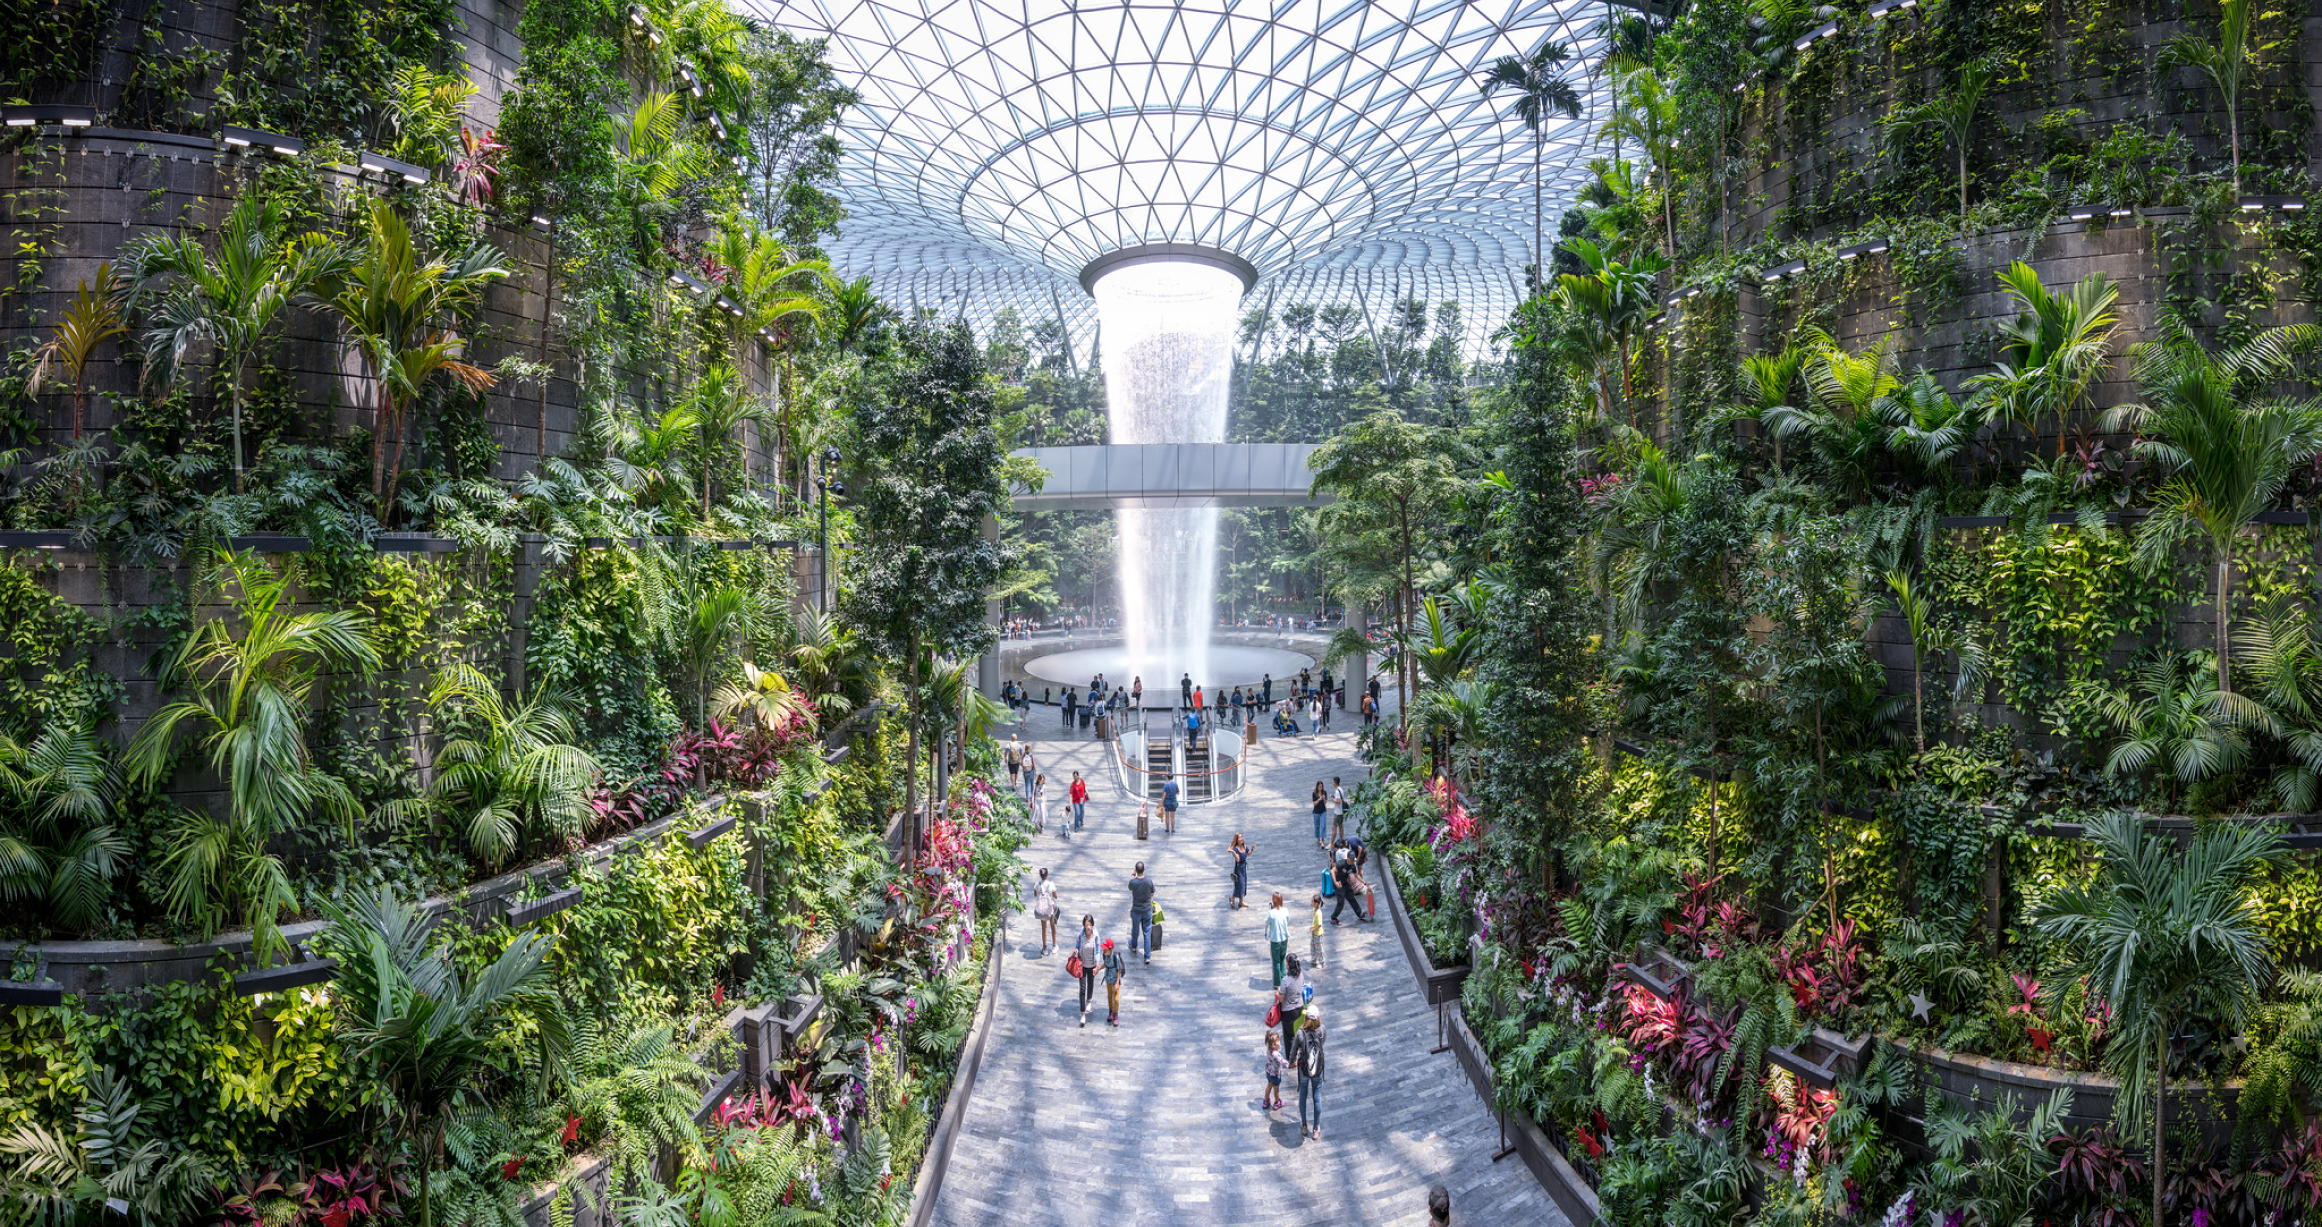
[[2172, 716], [249, 674], [1926, 427], [857, 312], [1648, 114], [432, 1036], [720, 403], [763, 696], [2051, 351], [104, 1167], [1605, 308], [512, 768], [829, 666], [1394, 476], [653, 161], [1769, 382], [1930, 638], [718, 619], [2162, 934], [1541, 88], [230, 302], [400, 312], [2225, 62], [57, 844], [2225, 453], [1953, 114], [92, 317], [1846, 419], [2277, 651], [650, 453]]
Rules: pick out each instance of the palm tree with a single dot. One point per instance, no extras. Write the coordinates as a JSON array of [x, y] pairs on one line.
[[1931, 638], [1648, 114], [1925, 425], [231, 302], [859, 312], [2160, 934], [1768, 381], [1540, 87], [248, 676], [1847, 418], [720, 403], [2277, 649], [829, 665], [2052, 350], [89, 319], [516, 768], [56, 843], [433, 1036], [1607, 307], [2226, 454], [1953, 114], [101, 1168], [2224, 62], [651, 452], [2174, 717], [653, 160], [400, 313]]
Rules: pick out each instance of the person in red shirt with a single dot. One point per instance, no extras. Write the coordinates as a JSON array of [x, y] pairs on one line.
[[1079, 800]]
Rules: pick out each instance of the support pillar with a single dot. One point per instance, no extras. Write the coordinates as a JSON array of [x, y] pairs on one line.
[[1358, 666]]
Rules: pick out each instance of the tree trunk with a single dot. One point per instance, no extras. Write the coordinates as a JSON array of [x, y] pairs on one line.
[[1410, 605], [2224, 578], [911, 751], [2160, 1113], [235, 374], [1918, 708], [1963, 179], [1539, 256], [547, 307]]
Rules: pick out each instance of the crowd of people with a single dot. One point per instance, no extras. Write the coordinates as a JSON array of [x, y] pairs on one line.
[[1306, 705]]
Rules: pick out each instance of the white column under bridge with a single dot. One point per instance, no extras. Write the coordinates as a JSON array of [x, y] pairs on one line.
[[1171, 475]]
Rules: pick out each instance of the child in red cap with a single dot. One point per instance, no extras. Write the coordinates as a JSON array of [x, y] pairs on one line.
[[1116, 969]]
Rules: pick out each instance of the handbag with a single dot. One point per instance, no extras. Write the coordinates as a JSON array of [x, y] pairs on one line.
[[1274, 1015], [1073, 966]]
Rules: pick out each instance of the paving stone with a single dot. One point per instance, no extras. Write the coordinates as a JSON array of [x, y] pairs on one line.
[[1157, 1121]]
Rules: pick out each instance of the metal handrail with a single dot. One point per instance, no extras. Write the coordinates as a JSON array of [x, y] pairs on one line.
[[1121, 760]]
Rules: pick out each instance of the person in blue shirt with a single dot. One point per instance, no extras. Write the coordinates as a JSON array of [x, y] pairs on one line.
[[1169, 808]]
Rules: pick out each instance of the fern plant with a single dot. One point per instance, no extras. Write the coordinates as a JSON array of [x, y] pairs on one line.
[[106, 1166]]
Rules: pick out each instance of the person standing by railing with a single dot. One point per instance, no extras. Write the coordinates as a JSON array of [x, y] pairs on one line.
[[1169, 807]]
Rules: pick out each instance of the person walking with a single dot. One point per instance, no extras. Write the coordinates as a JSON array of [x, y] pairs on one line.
[[1322, 711], [1314, 937], [1290, 998], [1039, 804], [1141, 913], [1079, 800], [1321, 806], [1337, 804], [1278, 935], [1014, 756], [1240, 850], [1348, 881], [1116, 970], [1044, 909], [1307, 1055], [1031, 766], [1089, 951], [1169, 807]]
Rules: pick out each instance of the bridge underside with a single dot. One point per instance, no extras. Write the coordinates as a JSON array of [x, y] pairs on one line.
[[1171, 475]]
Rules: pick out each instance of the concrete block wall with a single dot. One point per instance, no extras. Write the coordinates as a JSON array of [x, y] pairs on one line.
[[2088, 78]]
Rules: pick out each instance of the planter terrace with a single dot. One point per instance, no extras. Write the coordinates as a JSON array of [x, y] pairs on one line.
[[1440, 984], [1968, 1079], [89, 968]]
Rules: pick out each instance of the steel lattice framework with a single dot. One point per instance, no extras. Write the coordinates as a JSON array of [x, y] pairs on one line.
[[1341, 146]]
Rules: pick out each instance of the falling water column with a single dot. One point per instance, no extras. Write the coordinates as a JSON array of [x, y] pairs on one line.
[[1168, 329]]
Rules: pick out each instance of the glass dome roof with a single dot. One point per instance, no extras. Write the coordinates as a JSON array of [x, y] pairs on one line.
[[1341, 146]]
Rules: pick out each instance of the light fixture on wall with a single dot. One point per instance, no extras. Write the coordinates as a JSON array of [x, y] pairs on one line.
[[1888, 8], [1814, 36], [70, 115], [1858, 250], [2259, 204], [258, 138], [1778, 271], [381, 164]]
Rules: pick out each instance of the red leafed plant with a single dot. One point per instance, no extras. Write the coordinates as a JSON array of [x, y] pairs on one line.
[[1649, 1022], [2028, 992], [1825, 977], [1800, 1115], [474, 172]]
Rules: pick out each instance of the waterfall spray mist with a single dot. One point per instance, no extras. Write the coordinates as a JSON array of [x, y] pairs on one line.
[[1168, 336]]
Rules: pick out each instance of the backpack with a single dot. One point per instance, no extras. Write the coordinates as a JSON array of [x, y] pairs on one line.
[[1015, 763], [1310, 1058]]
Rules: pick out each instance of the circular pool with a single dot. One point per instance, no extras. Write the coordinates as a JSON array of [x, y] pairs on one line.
[[1230, 665]]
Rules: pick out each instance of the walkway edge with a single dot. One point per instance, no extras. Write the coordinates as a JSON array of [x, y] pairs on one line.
[[933, 1164], [1557, 1178]]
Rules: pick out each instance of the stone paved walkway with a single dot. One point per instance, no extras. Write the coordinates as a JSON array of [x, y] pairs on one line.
[[1158, 1122]]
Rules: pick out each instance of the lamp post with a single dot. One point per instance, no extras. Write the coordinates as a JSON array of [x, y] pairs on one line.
[[823, 488]]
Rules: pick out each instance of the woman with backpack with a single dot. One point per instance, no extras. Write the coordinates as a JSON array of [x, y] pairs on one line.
[[1087, 956], [1290, 999], [1307, 1057]]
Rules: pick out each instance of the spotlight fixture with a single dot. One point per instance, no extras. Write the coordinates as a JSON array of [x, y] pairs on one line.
[[2287, 204], [541, 222], [2083, 213], [1778, 271], [379, 163], [70, 115], [246, 138], [1741, 85], [1888, 8], [1859, 250], [636, 17], [689, 284], [1815, 36], [1657, 321], [732, 308]]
